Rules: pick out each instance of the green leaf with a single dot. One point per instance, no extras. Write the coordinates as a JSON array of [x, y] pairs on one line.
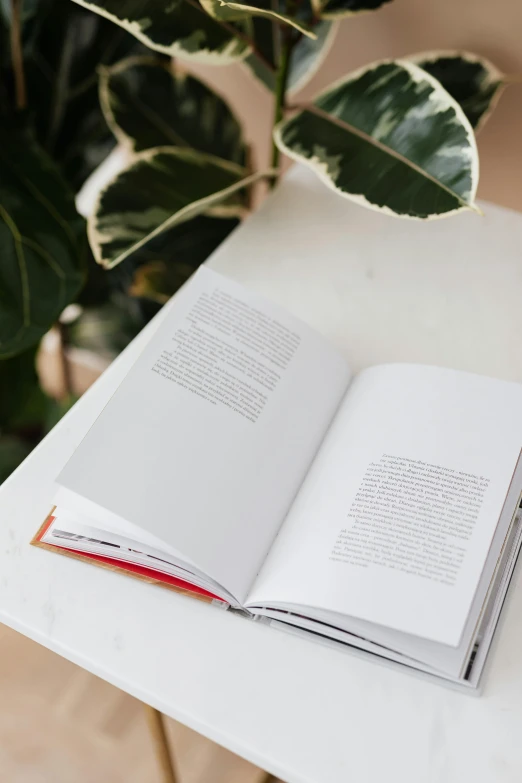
[[187, 244], [4, 59], [29, 418], [64, 46], [149, 104], [221, 12], [307, 56], [161, 187], [13, 451], [180, 28], [41, 236], [473, 81], [338, 9], [23, 403], [262, 62], [390, 137], [17, 381], [226, 10], [106, 328]]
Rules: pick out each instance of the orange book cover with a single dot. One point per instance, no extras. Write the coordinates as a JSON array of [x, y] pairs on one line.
[[138, 571]]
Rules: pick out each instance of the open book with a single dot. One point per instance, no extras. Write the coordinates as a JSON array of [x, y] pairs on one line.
[[241, 461]]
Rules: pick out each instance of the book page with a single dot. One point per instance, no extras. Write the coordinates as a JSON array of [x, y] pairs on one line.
[[396, 517], [209, 436]]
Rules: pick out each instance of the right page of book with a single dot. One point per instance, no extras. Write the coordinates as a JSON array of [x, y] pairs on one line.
[[395, 519]]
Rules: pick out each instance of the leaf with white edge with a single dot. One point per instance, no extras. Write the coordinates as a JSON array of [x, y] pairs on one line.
[[473, 81], [390, 137], [262, 61], [339, 9], [42, 238], [219, 11], [187, 244], [149, 104], [180, 28], [305, 60], [308, 55], [160, 188], [222, 8]]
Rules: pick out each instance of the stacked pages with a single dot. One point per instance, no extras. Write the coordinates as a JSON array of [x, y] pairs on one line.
[[241, 460]]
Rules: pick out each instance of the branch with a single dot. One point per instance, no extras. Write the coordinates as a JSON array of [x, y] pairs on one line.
[[17, 57], [283, 73], [511, 78], [67, 380], [60, 88]]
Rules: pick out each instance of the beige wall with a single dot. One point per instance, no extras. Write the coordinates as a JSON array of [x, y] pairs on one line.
[[491, 29]]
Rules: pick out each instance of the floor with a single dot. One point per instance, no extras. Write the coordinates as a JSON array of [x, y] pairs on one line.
[[59, 724]]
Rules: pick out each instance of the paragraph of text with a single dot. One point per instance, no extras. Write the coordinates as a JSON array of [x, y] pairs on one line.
[[412, 516], [228, 354]]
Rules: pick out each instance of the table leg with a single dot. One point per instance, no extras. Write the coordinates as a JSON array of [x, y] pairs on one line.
[[163, 752]]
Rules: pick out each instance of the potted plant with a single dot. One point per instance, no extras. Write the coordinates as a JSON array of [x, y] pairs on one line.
[[77, 77]]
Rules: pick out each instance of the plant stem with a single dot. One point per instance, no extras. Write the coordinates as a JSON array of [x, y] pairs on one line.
[[17, 57], [283, 72], [60, 88], [511, 78], [64, 359]]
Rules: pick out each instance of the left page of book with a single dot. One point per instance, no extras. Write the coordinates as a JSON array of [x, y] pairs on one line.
[[209, 436]]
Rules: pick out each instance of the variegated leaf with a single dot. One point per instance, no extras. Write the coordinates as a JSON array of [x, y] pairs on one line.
[[161, 187], [390, 137], [262, 61], [187, 244], [42, 238], [338, 9], [307, 56], [147, 103], [219, 11], [180, 28], [473, 81], [227, 10]]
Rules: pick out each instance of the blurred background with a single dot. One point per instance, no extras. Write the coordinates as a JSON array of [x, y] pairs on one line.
[[58, 723]]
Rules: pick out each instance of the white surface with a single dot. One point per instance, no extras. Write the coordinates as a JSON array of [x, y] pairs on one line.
[[446, 293]]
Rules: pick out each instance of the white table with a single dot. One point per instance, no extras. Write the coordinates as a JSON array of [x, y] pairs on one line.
[[447, 292]]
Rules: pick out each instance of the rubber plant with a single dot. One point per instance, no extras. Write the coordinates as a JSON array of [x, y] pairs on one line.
[[77, 77]]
